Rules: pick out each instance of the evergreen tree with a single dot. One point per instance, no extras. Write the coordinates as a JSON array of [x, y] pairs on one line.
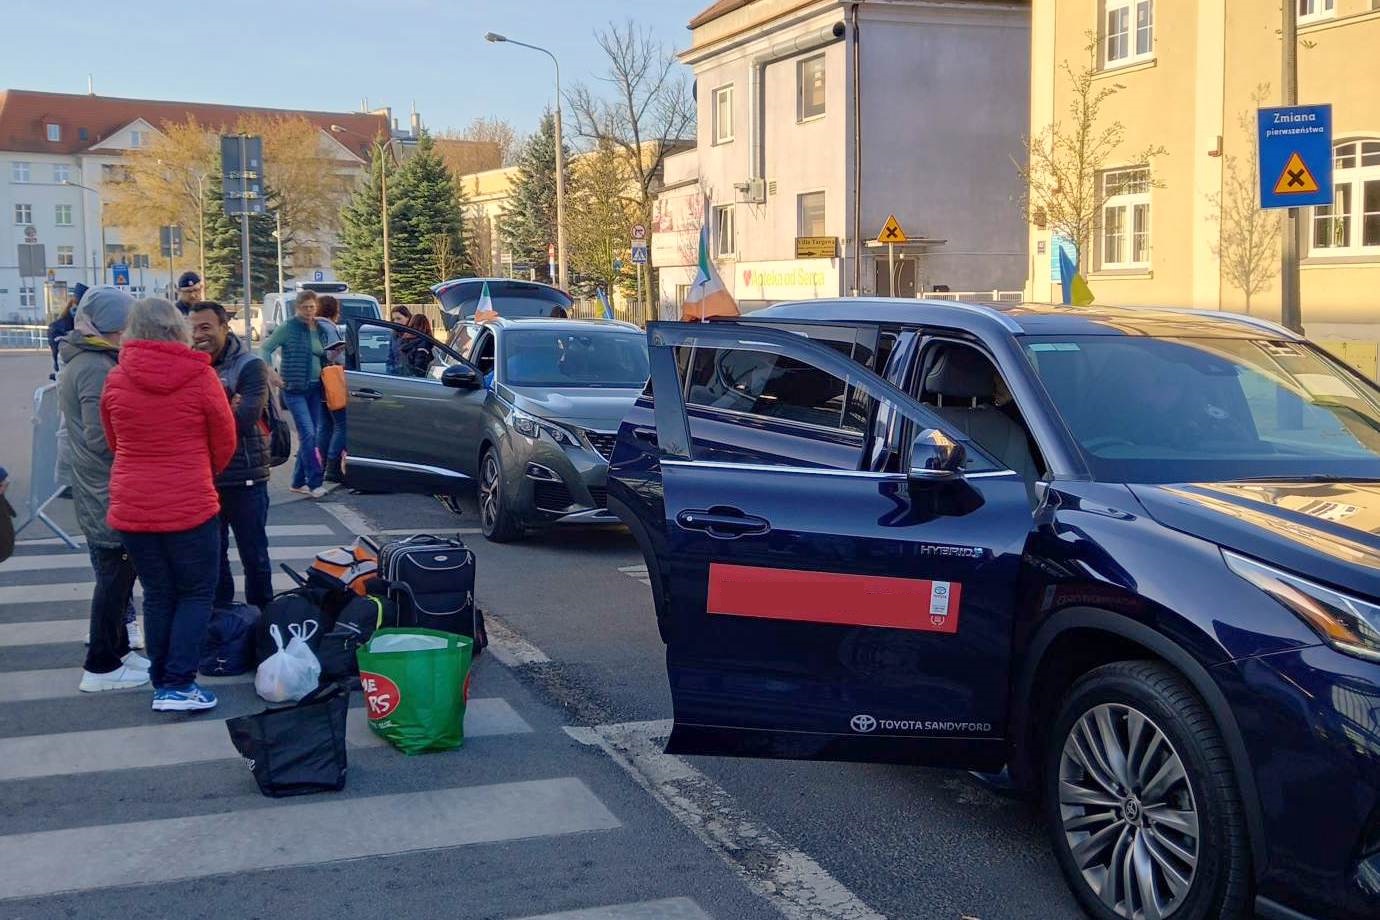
[[425, 219], [529, 223], [224, 259], [360, 263]]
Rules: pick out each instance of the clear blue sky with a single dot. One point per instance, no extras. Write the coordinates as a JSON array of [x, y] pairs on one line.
[[324, 54]]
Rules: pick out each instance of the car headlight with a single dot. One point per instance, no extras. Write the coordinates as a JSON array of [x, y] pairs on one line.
[[1349, 624], [532, 427]]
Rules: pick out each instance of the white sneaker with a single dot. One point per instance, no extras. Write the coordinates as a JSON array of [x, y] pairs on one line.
[[136, 661], [300, 490], [136, 635], [320, 492], [122, 678]]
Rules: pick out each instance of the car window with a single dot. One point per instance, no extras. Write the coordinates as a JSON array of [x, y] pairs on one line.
[[1202, 410], [385, 348], [574, 358], [773, 386]]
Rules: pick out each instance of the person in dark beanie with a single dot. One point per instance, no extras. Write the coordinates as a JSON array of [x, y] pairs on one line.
[[243, 485], [189, 292], [89, 353], [60, 327]]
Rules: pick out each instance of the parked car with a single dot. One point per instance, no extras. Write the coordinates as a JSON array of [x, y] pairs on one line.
[[529, 411], [278, 305], [1130, 556]]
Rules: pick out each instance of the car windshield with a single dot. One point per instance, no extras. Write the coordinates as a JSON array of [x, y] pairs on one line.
[[560, 358], [354, 306], [1210, 409]]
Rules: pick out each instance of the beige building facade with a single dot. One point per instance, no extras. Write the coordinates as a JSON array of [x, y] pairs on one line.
[[1186, 74]]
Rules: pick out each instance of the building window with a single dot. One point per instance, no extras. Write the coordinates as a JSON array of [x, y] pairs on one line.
[[141, 260], [810, 214], [1129, 31], [66, 256], [62, 173], [137, 138], [682, 294], [28, 297], [54, 133], [19, 171], [23, 214], [1351, 224], [724, 242], [723, 114], [809, 87], [62, 215], [1126, 218], [1310, 10]]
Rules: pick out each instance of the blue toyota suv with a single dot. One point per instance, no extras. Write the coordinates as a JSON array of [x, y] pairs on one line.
[[1130, 556]]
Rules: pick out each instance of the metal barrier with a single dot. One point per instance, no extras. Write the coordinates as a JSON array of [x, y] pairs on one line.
[[15, 337], [975, 296], [48, 472]]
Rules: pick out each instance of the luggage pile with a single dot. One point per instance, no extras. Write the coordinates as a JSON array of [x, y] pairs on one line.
[[397, 621]]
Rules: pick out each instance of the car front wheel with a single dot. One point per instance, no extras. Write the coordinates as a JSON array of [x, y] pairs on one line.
[[1141, 799], [495, 517]]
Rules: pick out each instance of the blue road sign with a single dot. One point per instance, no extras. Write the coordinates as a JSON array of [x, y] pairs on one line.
[[318, 276], [1295, 145], [119, 273], [639, 252]]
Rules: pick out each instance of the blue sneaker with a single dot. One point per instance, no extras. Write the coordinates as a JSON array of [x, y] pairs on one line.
[[192, 699]]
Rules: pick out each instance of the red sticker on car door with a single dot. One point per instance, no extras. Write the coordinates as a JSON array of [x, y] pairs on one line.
[[832, 597]]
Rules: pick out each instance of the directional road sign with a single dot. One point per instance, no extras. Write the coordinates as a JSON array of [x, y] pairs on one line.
[[242, 172], [1295, 145], [891, 231]]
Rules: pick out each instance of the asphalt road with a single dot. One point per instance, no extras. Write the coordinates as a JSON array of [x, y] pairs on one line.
[[559, 803]]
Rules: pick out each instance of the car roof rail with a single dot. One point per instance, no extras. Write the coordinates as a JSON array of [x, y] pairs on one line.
[[1255, 322]]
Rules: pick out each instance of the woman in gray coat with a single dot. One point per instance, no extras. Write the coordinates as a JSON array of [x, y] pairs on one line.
[[89, 353]]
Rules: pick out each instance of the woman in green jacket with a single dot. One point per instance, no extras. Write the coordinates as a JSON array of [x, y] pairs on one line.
[[303, 347]]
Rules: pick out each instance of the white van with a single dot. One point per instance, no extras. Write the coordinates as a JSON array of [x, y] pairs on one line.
[[278, 305]]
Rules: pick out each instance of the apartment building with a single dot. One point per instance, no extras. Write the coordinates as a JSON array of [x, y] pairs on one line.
[[817, 120], [58, 152], [1188, 76]]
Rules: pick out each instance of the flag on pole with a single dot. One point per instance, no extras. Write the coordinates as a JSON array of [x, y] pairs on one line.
[[708, 296], [604, 301], [1076, 290], [484, 308]]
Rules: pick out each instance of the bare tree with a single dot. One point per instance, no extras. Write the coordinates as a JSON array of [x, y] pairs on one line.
[[447, 262], [648, 106], [493, 130], [162, 183], [1062, 175], [1248, 237]]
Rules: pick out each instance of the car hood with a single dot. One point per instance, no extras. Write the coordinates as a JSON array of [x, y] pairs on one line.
[[1326, 531], [600, 410]]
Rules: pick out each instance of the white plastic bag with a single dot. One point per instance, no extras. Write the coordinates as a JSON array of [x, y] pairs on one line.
[[292, 672]]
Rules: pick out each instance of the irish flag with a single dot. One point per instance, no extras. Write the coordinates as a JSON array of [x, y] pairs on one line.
[[484, 308], [708, 296]]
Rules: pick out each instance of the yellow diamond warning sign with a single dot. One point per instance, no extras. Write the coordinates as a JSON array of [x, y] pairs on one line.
[[1296, 179], [891, 231]]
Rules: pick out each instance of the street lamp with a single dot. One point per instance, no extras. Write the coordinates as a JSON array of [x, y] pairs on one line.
[[378, 146], [100, 214], [563, 282], [278, 235]]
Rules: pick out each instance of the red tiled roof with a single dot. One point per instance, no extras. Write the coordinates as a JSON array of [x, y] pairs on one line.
[[88, 120], [721, 8]]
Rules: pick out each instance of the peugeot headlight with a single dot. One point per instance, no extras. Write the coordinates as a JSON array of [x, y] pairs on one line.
[[532, 427], [1348, 624]]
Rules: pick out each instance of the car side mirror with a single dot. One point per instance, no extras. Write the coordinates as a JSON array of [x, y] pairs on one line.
[[935, 457], [460, 377]]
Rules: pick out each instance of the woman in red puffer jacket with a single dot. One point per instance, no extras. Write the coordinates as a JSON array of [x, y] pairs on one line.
[[170, 427]]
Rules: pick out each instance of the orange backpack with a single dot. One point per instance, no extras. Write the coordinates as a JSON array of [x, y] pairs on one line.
[[345, 568]]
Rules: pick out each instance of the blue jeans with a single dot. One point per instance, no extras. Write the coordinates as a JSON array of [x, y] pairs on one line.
[[330, 433], [178, 572], [305, 409], [244, 510]]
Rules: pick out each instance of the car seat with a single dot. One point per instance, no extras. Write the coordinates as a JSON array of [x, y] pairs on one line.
[[964, 383]]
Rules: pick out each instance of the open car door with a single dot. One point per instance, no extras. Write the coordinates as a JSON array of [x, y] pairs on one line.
[[819, 611]]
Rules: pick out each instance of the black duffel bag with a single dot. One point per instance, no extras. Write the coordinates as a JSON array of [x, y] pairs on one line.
[[298, 749]]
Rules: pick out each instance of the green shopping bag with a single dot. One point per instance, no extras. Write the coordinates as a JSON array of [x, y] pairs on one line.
[[415, 684]]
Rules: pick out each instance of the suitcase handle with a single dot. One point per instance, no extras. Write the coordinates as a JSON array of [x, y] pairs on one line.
[[294, 574]]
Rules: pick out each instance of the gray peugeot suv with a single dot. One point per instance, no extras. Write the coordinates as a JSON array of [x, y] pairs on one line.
[[528, 409]]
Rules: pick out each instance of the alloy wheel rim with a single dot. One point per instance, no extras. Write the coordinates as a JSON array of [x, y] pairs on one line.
[[488, 494], [1128, 812]]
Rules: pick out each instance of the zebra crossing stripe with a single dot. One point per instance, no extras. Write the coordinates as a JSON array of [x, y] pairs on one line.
[[665, 909], [194, 741], [50, 561], [57, 683], [81, 591], [43, 863], [273, 530], [44, 632]]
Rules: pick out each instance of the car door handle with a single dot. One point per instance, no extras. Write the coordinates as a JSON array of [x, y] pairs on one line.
[[365, 394], [723, 523]]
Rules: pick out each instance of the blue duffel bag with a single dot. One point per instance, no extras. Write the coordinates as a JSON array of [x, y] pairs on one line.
[[229, 646]]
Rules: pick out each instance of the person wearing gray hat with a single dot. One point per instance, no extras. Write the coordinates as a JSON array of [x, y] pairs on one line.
[[89, 353]]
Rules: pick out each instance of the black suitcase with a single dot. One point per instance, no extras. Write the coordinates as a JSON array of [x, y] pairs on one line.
[[431, 579]]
